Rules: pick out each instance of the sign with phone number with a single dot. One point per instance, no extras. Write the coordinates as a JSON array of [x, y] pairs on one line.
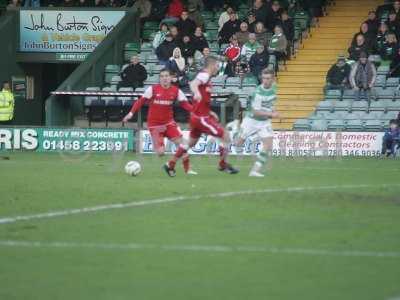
[[66, 139]]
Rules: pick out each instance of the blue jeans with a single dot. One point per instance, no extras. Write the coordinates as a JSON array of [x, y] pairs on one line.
[[363, 92]]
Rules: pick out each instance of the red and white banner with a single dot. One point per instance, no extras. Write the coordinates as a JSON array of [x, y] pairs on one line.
[[289, 143]]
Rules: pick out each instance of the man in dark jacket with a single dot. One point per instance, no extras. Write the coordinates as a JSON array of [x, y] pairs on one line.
[[230, 28], [287, 25], [165, 50], [187, 48], [338, 75], [259, 61], [134, 74], [274, 15], [158, 9], [185, 25], [260, 11], [373, 22]]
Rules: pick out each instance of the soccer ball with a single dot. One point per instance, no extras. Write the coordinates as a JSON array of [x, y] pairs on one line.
[[133, 168]]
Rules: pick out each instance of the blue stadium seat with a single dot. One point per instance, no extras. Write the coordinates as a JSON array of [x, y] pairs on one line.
[[114, 111], [344, 105], [319, 125], [302, 124], [326, 105]]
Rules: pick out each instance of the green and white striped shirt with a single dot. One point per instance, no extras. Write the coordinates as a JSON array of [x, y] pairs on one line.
[[262, 99]]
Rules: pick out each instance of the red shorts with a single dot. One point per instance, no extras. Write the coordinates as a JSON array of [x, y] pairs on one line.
[[205, 125], [170, 131]]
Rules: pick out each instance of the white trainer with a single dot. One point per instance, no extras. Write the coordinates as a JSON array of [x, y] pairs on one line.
[[191, 172], [256, 174]]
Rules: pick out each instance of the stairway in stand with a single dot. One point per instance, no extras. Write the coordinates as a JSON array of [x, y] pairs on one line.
[[300, 86]]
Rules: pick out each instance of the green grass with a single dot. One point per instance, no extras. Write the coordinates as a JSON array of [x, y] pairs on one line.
[[336, 221]]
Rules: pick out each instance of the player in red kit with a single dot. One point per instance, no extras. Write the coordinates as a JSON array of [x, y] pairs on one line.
[[160, 117], [203, 120]]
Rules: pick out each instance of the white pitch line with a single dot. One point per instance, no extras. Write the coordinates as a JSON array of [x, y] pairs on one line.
[[201, 248], [92, 209]]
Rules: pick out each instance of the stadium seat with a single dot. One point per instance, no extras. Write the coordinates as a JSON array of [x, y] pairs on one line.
[[319, 125], [125, 98], [380, 81], [389, 116], [383, 70], [333, 95], [151, 80], [88, 99], [392, 82], [392, 105], [373, 125], [373, 115], [106, 99], [344, 105], [115, 80], [232, 81], [359, 106], [384, 94], [110, 71], [348, 95], [377, 106], [326, 105], [143, 57], [96, 112], [219, 80], [146, 48], [131, 49], [114, 111], [354, 125], [153, 69], [152, 59], [336, 125], [301, 124], [249, 81], [355, 115]]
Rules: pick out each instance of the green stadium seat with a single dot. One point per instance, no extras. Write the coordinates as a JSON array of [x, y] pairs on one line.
[[392, 82], [219, 80], [380, 81], [115, 80], [152, 59], [333, 94], [125, 98], [249, 81], [336, 125], [143, 57], [389, 116], [344, 105], [383, 70], [319, 125], [211, 26], [232, 81], [384, 94], [373, 125], [326, 105], [146, 47], [392, 105], [153, 25], [302, 124], [373, 115], [152, 80], [354, 125], [348, 95], [359, 106], [377, 106], [110, 71], [106, 99]]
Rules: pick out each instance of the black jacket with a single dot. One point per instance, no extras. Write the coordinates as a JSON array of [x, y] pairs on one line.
[[373, 26], [133, 75], [261, 14], [229, 29], [186, 27], [165, 50], [187, 49], [369, 37], [388, 51], [288, 28], [355, 51], [199, 43], [258, 62], [273, 19], [336, 74]]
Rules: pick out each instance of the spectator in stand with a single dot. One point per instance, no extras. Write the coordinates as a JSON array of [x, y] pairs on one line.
[[174, 11], [13, 5], [251, 21], [176, 64], [359, 47], [262, 36], [160, 35], [395, 65], [134, 74], [259, 61], [144, 6], [84, 3], [67, 3], [199, 41], [260, 11], [381, 37], [195, 15], [200, 58], [274, 15], [338, 75], [393, 24], [166, 49], [362, 77], [389, 47], [396, 9], [224, 17], [32, 3], [250, 47], [173, 30], [190, 69], [391, 139], [373, 23], [185, 25], [278, 46], [230, 28], [243, 34], [287, 25], [187, 47], [100, 3], [369, 37], [158, 9], [232, 54]]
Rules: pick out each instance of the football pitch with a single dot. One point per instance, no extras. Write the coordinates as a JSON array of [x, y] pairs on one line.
[[77, 227]]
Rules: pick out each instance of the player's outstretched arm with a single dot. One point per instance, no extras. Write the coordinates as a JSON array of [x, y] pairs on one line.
[[264, 114], [194, 87], [183, 102], [135, 108]]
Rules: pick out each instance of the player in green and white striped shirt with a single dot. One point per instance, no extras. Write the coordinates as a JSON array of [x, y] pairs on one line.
[[257, 121]]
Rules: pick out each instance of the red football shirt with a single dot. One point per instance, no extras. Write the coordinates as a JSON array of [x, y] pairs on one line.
[[160, 101], [202, 108]]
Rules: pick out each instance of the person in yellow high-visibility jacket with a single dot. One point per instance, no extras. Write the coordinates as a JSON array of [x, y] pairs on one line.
[[6, 104]]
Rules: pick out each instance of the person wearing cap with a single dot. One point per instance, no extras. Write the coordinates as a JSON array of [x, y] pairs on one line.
[[362, 77], [337, 77]]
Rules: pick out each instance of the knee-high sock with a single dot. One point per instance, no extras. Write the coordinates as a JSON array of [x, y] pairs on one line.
[[261, 160], [178, 154], [223, 153], [186, 162]]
